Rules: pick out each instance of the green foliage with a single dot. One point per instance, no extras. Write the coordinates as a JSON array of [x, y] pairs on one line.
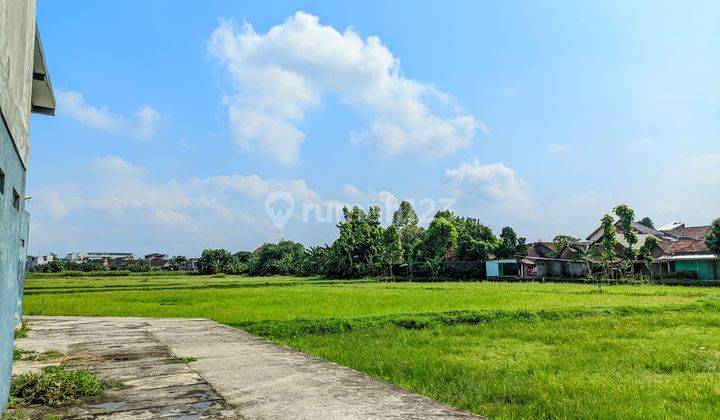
[[560, 241], [178, 259], [284, 257], [20, 354], [358, 245], [391, 251], [510, 245], [645, 251], [608, 240], [712, 239], [475, 241], [646, 221], [187, 359], [61, 266], [213, 261], [57, 385], [405, 220], [626, 215], [22, 331], [440, 239]]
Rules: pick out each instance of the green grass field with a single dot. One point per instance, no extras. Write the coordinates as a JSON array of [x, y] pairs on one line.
[[503, 350]]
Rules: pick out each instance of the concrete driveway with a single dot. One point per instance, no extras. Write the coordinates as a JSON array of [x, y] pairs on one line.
[[235, 375]]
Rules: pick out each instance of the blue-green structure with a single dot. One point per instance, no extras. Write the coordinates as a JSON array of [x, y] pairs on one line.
[[24, 88]]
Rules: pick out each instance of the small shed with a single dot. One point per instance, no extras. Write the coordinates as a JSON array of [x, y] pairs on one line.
[[502, 267], [535, 267]]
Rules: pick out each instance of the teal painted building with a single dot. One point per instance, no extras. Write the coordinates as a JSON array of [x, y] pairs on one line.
[[706, 269], [24, 88]]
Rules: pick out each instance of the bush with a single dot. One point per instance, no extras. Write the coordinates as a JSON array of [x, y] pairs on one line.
[[57, 385]]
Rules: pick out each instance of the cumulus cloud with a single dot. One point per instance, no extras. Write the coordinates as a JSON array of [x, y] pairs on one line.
[[141, 127], [494, 182], [121, 208], [279, 75]]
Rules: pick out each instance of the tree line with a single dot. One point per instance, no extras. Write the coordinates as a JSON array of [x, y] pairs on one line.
[[365, 248]]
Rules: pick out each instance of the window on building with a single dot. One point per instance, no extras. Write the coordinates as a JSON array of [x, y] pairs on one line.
[[2, 182], [16, 200]]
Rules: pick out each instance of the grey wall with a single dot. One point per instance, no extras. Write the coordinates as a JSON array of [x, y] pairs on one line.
[[561, 269]]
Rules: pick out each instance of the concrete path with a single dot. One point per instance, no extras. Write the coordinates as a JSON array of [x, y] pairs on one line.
[[236, 374]]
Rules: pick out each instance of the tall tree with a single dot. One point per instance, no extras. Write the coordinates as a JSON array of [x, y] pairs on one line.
[[404, 216], [626, 215], [440, 239], [391, 252], [359, 239], [712, 238], [646, 221], [510, 244], [475, 240], [405, 221], [608, 241]]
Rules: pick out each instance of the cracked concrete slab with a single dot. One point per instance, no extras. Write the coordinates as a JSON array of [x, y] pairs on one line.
[[235, 375]]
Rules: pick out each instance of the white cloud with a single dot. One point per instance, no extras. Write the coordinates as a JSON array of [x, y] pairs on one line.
[[143, 127], [282, 74], [114, 165], [493, 182], [51, 201], [558, 148]]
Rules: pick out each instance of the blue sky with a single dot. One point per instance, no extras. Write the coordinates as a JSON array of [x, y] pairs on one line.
[[177, 119]]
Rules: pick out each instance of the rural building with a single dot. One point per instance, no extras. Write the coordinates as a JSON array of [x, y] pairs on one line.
[[642, 231], [99, 256], [24, 88], [541, 249], [157, 260], [573, 251], [686, 256], [535, 267], [34, 261]]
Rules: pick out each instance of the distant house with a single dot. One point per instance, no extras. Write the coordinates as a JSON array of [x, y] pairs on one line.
[[573, 251], [99, 256], [679, 249], [541, 249], [680, 231], [157, 260], [34, 261], [686, 255], [191, 264], [642, 232]]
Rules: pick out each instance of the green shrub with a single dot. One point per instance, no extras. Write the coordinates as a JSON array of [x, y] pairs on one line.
[[21, 332], [57, 385]]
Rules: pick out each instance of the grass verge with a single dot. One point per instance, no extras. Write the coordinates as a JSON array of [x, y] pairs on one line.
[[22, 331], [56, 385]]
